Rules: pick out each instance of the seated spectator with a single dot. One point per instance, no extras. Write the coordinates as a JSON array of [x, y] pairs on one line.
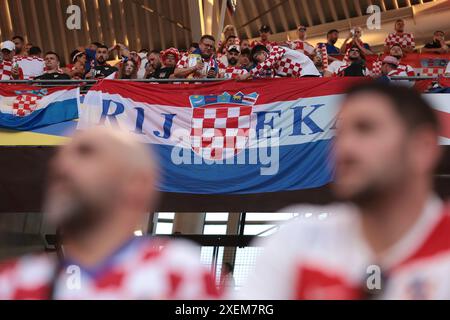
[[400, 37], [354, 39], [264, 32], [437, 45], [128, 70], [76, 56], [201, 63], [389, 69], [245, 59], [397, 52], [169, 59], [244, 44], [9, 70], [77, 71], [232, 69], [300, 44], [280, 62], [318, 62], [102, 69], [27, 48], [32, 65], [356, 65], [19, 43], [52, 69], [153, 64]]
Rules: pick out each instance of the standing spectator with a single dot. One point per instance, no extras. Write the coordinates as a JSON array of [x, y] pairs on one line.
[[404, 39], [102, 68], [280, 62], [356, 65], [19, 43], [201, 63], [264, 32], [300, 44], [228, 31], [154, 64], [232, 39], [128, 70], [52, 69], [437, 45], [222, 56], [355, 37], [232, 69], [332, 38], [245, 59], [170, 58], [32, 65], [8, 69]]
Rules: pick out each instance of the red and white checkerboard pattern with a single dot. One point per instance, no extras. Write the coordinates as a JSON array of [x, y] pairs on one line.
[[302, 46], [25, 104], [431, 72], [220, 133], [402, 68], [404, 40], [5, 70], [231, 72], [279, 64]]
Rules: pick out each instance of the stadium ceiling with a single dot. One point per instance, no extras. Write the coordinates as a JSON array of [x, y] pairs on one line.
[[157, 24]]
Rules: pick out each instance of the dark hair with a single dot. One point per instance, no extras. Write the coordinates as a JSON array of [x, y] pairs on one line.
[[98, 44], [34, 51], [143, 50], [207, 37], [439, 31], [331, 31], [408, 103], [18, 37], [246, 52], [194, 45], [102, 46], [54, 53], [74, 53], [398, 20], [230, 36], [256, 49]]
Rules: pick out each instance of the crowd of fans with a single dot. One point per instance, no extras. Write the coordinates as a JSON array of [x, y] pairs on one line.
[[230, 58]]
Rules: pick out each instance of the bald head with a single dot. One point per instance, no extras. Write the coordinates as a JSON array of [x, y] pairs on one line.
[[101, 174]]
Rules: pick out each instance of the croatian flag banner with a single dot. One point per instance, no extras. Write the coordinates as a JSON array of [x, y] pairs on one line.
[[27, 107], [227, 137]]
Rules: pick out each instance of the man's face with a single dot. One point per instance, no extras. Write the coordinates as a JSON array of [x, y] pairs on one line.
[[101, 55], [370, 148], [7, 55], [354, 54], [400, 26], [260, 56], [84, 181], [207, 48], [51, 62], [264, 36], [301, 32], [230, 41], [244, 60], [232, 57], [170, 61], [439, 36], [19, 45], [333, 37], [245, 44], [396, 51], [154, 60]]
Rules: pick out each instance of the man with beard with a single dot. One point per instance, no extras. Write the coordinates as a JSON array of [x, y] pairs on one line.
[[101, 69], [356, 65], [100, 186], [390, 240], [231, 70], [400, 37], [265, 31], [19, 43], [395, 51], [201, 63]]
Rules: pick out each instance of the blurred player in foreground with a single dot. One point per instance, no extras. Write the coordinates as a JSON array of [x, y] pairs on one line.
[[101, 184], [391, 239]]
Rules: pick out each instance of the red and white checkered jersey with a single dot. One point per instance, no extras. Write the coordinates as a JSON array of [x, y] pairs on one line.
[[5, 71], [376, 69], [325, 256], [403, 39], [138, 270], [301, 46], [230, 72], [286, 62], [189, 60], [31, 66], [268, 44]]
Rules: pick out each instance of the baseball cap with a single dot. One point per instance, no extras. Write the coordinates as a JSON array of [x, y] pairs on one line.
[[8, 45], [234, 47], [391, 60], [265, 28]]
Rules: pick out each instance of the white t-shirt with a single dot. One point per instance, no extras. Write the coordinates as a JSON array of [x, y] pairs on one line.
[[31, 66]]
